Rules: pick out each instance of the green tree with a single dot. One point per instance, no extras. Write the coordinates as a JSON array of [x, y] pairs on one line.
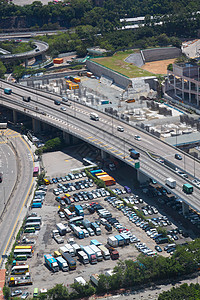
[[59, 292], [2, 70], [6, 292]]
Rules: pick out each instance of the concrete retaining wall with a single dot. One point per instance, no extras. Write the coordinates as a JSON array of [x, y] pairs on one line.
[[161, 53], [100, 70]]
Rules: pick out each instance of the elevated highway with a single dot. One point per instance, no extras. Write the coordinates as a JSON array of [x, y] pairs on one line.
[[40, 49], [104, 135]]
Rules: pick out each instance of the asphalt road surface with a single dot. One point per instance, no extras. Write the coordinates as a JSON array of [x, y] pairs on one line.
[[15, 209]]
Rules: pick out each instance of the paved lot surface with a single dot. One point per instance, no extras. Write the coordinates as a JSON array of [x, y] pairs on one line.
[[58, 164]]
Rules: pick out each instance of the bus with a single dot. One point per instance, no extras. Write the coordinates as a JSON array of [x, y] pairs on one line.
[[35, 172], [94, 116], [76, 219], [21, 257], [27, 252], [30, 229], [68, 213], [35, 292], [34, 220], [24, 247], [22, 270], [36, 225]]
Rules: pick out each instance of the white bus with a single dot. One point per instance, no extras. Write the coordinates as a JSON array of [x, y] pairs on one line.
[[27, 252], [94, 116]]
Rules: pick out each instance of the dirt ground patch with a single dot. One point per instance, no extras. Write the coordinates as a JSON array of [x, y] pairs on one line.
[[158, 67]]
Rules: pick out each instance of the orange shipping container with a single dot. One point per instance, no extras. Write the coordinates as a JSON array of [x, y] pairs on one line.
[[77, 79], [89, 74], [58, 60]]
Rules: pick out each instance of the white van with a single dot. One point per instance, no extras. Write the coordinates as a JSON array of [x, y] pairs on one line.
[[94, 116], [120, 128]]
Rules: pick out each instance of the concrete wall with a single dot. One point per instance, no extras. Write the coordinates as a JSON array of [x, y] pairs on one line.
[[161, 53], [99, 70]]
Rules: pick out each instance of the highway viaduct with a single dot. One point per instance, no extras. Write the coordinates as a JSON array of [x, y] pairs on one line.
[[75, 124]]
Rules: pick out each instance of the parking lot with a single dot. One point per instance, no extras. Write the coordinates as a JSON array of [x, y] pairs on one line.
[[142, 236]]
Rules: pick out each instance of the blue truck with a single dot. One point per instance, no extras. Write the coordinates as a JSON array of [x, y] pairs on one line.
[[79, 210], [120, 240], [51, 262], [36, 205], [7, 91], [134, 154], [95, 242]]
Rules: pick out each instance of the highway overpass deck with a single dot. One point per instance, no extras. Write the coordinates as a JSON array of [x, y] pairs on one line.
[[104, 135]]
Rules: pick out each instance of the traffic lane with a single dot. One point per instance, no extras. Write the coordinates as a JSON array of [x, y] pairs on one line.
[[8, 167], [16, 204]]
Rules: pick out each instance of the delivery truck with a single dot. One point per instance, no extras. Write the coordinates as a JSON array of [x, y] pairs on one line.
[[94, 279], [76, 248], [51, 262], [187, 188], [134, 154], [104, 252], [97, 252], [112, 241], [70, 249], [170, 182], [80, 280], [83, 257], [90, 253], [62, 264], [119, 239], [61, 228]]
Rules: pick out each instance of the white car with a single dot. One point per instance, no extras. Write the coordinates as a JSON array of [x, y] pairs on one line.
[[137, 138]]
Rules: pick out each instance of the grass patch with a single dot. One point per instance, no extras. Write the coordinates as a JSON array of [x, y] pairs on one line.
[[117, 63]]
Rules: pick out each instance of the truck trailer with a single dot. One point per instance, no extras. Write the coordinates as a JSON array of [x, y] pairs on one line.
[[170, 182], [51, 262]]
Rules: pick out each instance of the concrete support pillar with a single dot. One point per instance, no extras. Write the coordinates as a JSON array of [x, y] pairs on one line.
[[190, 91], [141, 177], [185, 208], [182, 88], [14, 116], [67, 138], [36, 125], [103, 154], [26, 62]]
